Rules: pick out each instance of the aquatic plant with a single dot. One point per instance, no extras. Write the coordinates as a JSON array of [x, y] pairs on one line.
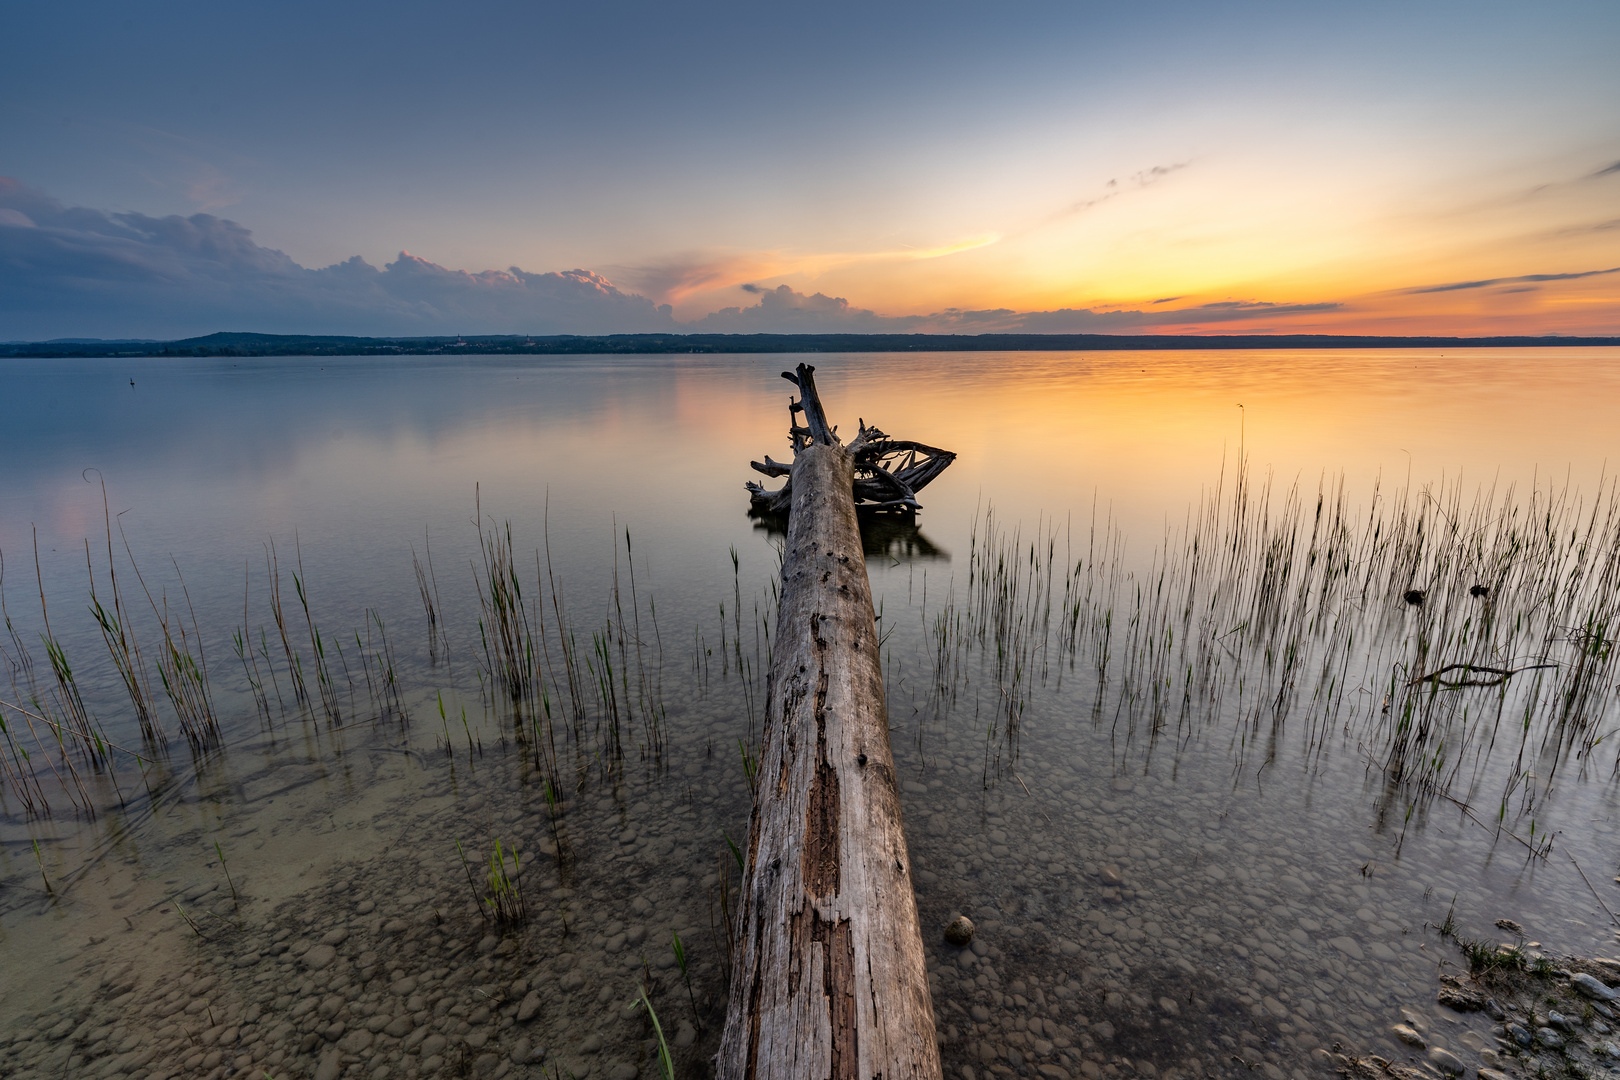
[[666, 1064], [1273, 612], [500, 894]]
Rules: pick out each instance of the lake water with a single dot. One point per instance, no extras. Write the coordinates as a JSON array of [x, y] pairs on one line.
[[1197, 797]]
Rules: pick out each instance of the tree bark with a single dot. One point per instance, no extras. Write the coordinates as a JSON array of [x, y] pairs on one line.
[[830, 980]]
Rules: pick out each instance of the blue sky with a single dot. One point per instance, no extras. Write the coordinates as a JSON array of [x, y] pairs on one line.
[[1306, 166]]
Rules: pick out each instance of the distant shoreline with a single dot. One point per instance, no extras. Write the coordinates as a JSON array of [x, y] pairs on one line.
[[238, 344]]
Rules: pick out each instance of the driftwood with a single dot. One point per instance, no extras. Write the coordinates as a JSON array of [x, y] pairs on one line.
[[887, 475], [1498, 676], [829, 980]]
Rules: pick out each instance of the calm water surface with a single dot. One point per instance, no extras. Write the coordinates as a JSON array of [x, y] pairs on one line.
[[1207, 871]]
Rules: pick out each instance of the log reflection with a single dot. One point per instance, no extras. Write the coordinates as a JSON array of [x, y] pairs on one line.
[[883, 536]]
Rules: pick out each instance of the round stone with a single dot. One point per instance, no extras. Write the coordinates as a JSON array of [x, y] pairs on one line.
[[960, 931], [1446, 1061], [319, 957], [1408, 1035]]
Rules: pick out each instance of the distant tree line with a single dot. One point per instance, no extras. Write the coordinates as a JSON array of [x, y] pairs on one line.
[[235, 344]]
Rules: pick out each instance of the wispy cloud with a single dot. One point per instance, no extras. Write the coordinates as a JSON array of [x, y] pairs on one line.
[[1116, 187], [782, 310], [1483, 283], [1607, 170], [675, 279], [1585, 230]]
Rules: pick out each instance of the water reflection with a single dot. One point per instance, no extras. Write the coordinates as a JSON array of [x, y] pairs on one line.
[[1217, 883], [896, 538]]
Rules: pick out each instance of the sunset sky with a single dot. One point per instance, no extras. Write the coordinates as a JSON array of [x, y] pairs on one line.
[[1391, 168]]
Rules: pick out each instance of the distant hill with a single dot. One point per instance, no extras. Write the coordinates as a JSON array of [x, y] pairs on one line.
[[235, 344]]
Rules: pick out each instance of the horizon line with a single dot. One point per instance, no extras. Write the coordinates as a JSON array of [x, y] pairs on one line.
[[248, 344]]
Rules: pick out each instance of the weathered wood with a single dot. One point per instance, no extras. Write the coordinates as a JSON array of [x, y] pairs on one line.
[[888, 472], [829, 980]]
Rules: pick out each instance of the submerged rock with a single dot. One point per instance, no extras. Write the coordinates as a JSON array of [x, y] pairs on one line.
[[960, 931], [319, 957], [1461, 998], [1446, 1061], [1409, 1035]]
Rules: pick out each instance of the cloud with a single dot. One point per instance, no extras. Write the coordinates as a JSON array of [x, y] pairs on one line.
[[1093, 321], [1607, 170], [1584, 230], [783, 311], [1114, 188], [1486, 282], [675, 279], [75, 272], [80, 272]]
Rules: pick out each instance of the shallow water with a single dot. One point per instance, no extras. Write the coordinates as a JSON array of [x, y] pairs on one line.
[[1151, 895]]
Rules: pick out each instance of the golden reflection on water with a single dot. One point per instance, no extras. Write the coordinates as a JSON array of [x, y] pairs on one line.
[[210, 467]]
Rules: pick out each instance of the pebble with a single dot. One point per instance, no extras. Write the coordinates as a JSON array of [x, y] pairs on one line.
[[1348, 946], [331, 1066], [1593, 987], [528, 1007], [1521, 1034], [960, 931], [1445, 1060], [1409, 1035], [686, 1036], [1549, 1038], [319, 957]]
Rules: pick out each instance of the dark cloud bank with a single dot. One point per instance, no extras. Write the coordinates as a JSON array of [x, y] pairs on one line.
[[71, 271]]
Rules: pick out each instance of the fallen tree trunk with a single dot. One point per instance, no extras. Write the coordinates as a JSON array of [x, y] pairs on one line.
[[829, 980]]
